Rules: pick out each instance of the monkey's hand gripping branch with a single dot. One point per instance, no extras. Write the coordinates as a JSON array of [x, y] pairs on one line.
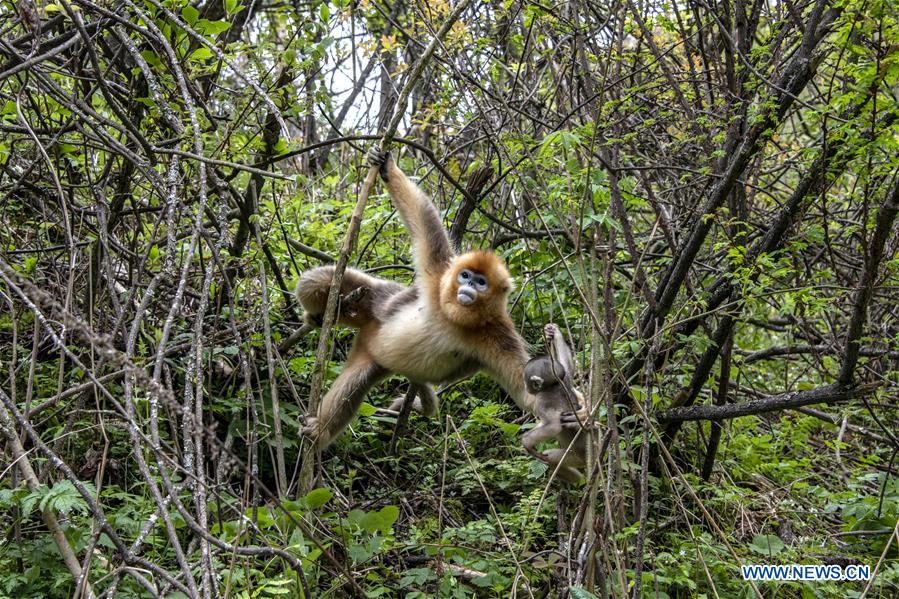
[[573, 421], [379, 159]]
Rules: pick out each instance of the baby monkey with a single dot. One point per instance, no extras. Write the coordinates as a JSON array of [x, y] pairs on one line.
[[558, 406]]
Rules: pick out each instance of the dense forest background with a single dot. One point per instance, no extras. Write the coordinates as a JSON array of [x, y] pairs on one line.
[[702, 195]]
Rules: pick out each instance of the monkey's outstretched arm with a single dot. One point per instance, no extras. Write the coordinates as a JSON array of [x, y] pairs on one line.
[[558, 349], [430, 243], [505, 363]]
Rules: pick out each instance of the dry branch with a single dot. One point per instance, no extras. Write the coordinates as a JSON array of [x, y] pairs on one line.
[[828, 394]]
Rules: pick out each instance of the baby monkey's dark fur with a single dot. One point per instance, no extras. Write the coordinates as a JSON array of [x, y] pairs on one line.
[[549, 378]]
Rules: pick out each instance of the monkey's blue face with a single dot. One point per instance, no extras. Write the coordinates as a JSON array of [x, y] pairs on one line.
[[471, 283]]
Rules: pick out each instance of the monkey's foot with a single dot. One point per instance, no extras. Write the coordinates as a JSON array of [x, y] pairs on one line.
[[380, 160], [311, 429], [350, 303], [386, 412], [397, 406], [540, 456]]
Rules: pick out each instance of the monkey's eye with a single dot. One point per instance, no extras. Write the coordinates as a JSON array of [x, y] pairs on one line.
[[473, 279]]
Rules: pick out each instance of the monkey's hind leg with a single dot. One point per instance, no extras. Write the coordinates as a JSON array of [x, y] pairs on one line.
[[355, 290], [549, 429], [343, 399], [567, 463], [546, 430]]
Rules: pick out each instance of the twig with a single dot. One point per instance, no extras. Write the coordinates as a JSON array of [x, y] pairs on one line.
[[403, 417]]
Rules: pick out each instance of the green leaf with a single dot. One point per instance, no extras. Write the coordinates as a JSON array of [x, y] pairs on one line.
[[30, 500], [151, 58], [388, 515], [317, 497], [537, 469], [190, 14], [372, 522], [605, 221], [579, 593], [767, 544], [63, 497], [358, 553], [212, 27], [201, 54], [417, 576]]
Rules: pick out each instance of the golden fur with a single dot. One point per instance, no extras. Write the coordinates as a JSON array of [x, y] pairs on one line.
[[423, 333], [489, 307]]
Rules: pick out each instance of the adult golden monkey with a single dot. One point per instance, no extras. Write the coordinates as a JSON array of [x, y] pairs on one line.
[[449, 324]]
